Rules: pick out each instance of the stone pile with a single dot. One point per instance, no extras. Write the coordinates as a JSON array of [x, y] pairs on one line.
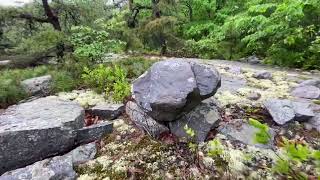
[[171, 95], [43, 128]]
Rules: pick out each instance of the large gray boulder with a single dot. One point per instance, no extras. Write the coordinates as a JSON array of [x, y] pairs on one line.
[[144, 121], [201, 119], [42, 128], [172, 87], [59, 167], [314, 123], [283, 111], [306, 91], [38, 85]]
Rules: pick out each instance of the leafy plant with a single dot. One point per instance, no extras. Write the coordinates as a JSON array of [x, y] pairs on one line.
[[215, 148], [92, 43], [112, 80], [262, 136]]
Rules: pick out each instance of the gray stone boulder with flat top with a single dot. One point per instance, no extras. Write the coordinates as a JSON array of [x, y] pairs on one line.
[[43, 128], [39, 86], [171, 87], [283, 111]]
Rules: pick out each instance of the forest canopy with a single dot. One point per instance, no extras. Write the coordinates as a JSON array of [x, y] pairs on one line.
[[282, 32]]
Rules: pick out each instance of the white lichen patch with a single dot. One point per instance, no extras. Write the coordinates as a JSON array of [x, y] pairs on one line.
[[85, 98]]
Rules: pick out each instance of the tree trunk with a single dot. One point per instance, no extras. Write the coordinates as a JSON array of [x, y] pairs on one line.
[[52, 17]]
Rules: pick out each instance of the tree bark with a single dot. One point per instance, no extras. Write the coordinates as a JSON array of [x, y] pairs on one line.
[[52, 17]]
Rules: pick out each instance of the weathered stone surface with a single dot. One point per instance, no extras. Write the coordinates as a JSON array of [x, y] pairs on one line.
[[107, 111], [201, 119], [283, 111], [314, 123], [253, 60], [171, 87], [144, 121], [254, 96], [311, 82], [37, 86], [83, 153], [94, 132], [208, 80], [42, 128], [308, 92], [56, 168], [262, 75], [59, 167], [245, 133]]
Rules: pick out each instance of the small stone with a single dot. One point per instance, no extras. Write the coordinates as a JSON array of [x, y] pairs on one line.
[[254, 96], [308, 92], [262, 75], [283, 111], [39, 86], [310, 82]]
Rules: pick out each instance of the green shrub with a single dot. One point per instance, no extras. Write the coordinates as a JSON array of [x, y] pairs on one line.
[[92, 43], [11, 91], [134, 66], [109, 79]]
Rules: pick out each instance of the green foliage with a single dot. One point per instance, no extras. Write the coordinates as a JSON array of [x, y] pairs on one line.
[[215, 148], [11, 91], [192, 135], [39, 42], [112, 80], [262, 136], [134, 66], [92, 43], [289, 162]]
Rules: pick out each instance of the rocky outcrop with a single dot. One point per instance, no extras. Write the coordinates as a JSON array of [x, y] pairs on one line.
[[59, 167], [144, 121], [42, 128], [37, 86], [201, 119], [107, 111], [170, 95], [283, 111], [172, 87]]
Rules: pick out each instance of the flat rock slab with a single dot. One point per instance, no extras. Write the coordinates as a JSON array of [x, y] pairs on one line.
[[173, 86], [59, 167], [144, 121], [42, 128], [38, 85], [308, 92], [107, 111], [245, 133], [283, 111], [202, 119]]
